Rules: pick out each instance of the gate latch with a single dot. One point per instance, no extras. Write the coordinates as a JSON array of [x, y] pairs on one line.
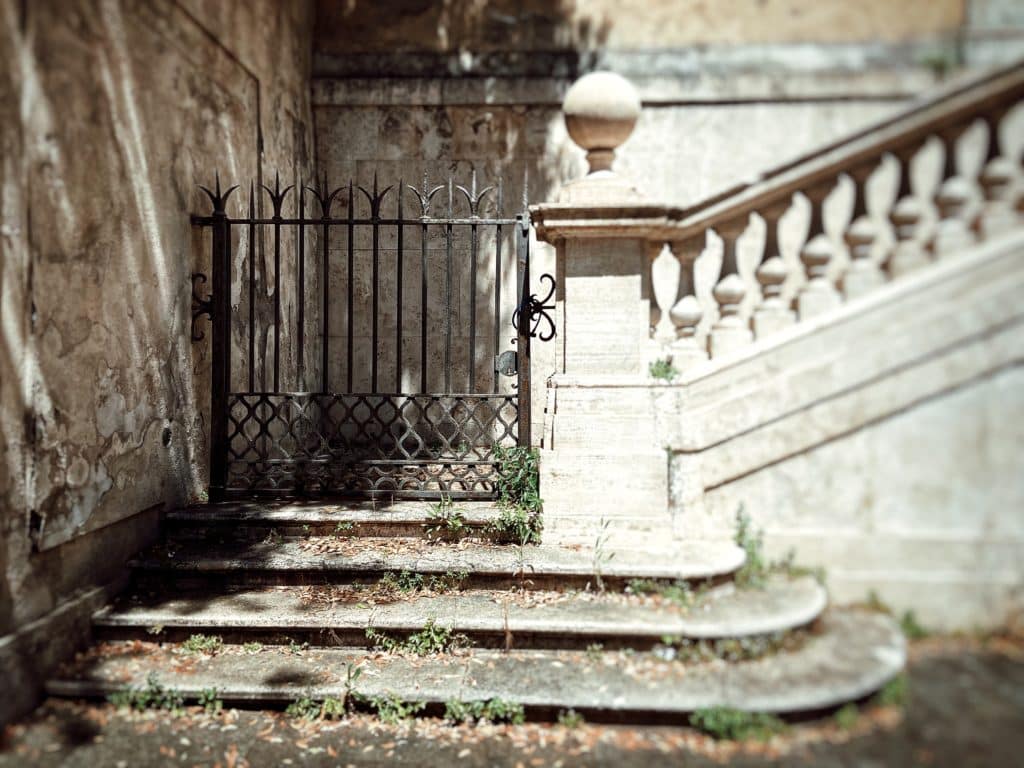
[[507, 363]]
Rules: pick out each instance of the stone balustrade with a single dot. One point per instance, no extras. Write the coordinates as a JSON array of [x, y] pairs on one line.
[[803, 239], [832, 226]]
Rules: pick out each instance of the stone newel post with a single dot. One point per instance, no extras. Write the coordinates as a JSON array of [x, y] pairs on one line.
[[602, 459], [605, 236]]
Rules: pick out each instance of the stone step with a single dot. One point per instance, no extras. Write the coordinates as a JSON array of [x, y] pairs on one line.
[[330, 616], [852, 655], [256, 520], [334, 560]]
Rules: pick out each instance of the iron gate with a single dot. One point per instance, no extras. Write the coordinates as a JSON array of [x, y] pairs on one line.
[[375, 408]]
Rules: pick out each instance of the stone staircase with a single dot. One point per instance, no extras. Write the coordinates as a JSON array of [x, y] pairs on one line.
[[290, 591]]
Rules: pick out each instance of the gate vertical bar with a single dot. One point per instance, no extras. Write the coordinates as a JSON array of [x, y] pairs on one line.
[[220, 364], [277, 295], [325, 243], [497, 287], [375, 240], [525, 324], [351, 277], [398, 296], [424, 233], [302, 289], [252, 288], [448, 296], [472, 305]]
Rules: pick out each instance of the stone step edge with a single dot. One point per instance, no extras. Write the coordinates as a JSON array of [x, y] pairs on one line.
[[729, 559], [475, 513], [770, 684], [351, 618]]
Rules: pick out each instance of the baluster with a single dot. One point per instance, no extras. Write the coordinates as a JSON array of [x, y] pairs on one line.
[[818, 294], [863, 274], [686, 313], [997, 213], [657, 254], [772, 315], [729, 332], [907, 252], [951, 198]]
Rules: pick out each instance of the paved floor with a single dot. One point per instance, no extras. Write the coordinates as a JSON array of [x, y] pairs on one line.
[[966, 709]]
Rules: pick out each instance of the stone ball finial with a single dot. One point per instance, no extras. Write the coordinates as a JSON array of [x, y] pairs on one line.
[[600, 110]]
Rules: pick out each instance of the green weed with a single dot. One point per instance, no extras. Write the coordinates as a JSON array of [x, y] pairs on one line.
[[208, 644], [663, 370], [518, 487], [570, 718], [445, 522], [393, 710], [152, 696], [432, 639], [491, 711], [735, 724], [895, 693], [846, 717], [210, 701]]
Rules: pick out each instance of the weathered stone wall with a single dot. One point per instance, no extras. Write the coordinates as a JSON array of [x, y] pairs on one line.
[[113, 111]]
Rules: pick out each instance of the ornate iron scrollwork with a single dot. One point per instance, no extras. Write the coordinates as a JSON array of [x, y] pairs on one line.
[[200, 305], [539, 311]]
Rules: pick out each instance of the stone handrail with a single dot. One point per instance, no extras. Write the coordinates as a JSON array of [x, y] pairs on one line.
[[927, 225]]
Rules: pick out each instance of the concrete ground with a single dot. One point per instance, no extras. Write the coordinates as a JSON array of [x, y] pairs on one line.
[[966, 708]]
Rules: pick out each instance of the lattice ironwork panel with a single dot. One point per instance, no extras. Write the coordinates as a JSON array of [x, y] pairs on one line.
[[401, 446]]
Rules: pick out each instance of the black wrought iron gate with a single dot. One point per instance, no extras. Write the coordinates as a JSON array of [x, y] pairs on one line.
[[371, 361]]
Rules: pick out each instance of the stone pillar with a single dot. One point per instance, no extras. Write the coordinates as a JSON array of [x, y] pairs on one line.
[[602, 461]]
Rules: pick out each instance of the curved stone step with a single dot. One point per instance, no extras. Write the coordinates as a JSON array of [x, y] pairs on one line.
[[256, 519], [493, 619], [320, 560], [854, 654]]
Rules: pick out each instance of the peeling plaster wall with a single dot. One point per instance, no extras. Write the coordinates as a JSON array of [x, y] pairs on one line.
[[113, 111]]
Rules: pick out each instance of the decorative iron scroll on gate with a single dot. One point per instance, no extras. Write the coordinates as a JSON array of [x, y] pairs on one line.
[[373, 362]]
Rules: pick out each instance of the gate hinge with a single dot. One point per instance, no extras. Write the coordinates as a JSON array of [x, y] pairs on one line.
[[507, 363]]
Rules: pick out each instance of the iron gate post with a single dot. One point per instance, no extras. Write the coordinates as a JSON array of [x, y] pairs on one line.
[[525, 325], [220, 366]]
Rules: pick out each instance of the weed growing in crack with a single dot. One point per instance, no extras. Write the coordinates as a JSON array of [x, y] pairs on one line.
[[208, 644], [662, 370], [297, 649], [449, 581], [570, 718], [754, 572], [594, 651], [911, 628], [407, 582], [344, 528], [445, 522], [404, 581], [689, 650], [209, 699], [490, 711], [756, 568], [393, 710], [846, 717], [518, 486], [895, 693], [679, 592], [153, 695], [432, 639], [330, 708], [735, 724], [252, 647], [303, 708]]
